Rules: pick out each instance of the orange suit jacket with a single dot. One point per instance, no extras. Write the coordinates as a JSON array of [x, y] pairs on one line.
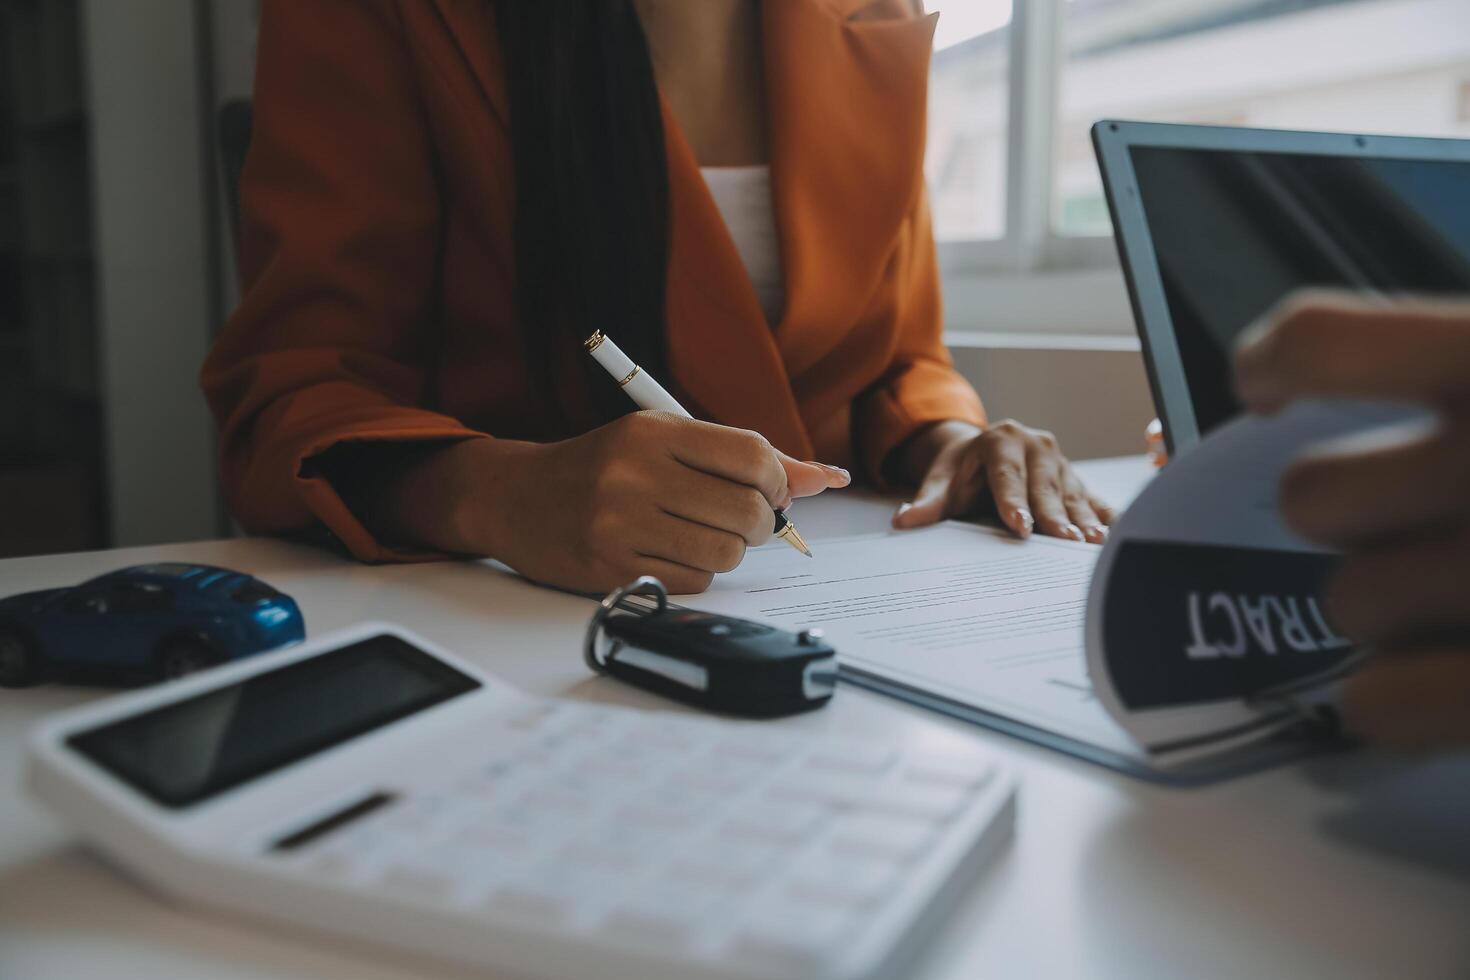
[[376, 255]]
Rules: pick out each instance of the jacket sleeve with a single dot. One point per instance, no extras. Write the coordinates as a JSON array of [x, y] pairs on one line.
[[921, 386], [340, 213]]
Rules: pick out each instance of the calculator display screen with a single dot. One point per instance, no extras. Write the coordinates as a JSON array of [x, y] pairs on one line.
[[186, 752]]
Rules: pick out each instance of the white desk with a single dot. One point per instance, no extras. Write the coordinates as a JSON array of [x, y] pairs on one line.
[[1345, 867]]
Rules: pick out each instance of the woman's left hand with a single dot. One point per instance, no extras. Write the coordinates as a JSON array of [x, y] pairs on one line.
[[1017, 470]]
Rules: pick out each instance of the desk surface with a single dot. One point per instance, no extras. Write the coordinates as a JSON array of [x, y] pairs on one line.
[[1351, 866]]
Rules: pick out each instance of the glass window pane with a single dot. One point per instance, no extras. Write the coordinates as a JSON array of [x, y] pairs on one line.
[[966, 159], [1373, 66]]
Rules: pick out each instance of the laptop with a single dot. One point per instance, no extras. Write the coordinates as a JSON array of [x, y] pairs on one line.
[[1216, 225]]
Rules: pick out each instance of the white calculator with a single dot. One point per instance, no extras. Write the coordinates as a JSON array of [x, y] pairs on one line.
[[369, 784]]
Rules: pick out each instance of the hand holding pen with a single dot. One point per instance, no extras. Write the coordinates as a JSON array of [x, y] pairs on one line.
[[652, 493], [648, 394]]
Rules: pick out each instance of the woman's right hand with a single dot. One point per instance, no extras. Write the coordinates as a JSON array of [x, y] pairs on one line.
[[648, 494]]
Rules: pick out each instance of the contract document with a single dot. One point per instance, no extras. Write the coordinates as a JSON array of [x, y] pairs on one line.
[[964, 619]]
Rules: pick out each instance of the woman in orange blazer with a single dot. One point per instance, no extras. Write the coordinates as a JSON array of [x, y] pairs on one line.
[[443, 198]]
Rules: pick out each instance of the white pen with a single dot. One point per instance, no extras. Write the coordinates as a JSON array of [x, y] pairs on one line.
[[647, 393]]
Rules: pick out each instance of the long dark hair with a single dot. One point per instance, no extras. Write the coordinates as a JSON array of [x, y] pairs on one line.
[[591, 178]]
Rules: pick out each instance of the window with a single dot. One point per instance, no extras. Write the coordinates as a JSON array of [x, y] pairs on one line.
[[965, 160], [1374, 66], [1016, 88]]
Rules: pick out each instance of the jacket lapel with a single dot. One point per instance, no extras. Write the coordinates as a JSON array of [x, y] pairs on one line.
[[471, 23], [846, 84], [845, 91], [723, 356]]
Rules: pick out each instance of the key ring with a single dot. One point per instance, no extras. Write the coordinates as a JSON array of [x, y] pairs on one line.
[[644, 585]]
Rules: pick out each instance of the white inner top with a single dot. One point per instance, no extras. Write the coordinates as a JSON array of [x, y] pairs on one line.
[[743, 195]]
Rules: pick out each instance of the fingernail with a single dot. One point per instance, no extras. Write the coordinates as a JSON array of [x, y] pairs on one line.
[[1074, 532], [904, 508], [1024, 518], [846, 476], [1097, 534]]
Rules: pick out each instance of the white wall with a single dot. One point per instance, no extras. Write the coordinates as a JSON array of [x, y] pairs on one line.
[[154, 266], [1091, 392]]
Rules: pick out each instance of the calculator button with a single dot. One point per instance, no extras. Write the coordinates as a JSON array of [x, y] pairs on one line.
[[764, 747], [666, 817], [775, 821], [670, 802], [845, 879], [798, 936], [715, 876], [690, 731], [621, 834], [865, 759], [537, 827], [601, 857], [840, 789], [876, 836], [964, 773], [663, 911], [585, 880], [529, 901], [409, 882], [927, 801], [365, 843], [666, 926], [657, 748], [553, 890], [613, 766], [333, 865], [741, 857], [503, 841], [737, 865], [723, 778], [431, 814], [558, 800]]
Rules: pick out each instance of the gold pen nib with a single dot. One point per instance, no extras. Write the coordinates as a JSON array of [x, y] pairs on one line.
[[793, 537]]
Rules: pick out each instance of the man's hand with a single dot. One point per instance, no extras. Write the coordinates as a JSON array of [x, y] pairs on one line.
[[1399, 508]]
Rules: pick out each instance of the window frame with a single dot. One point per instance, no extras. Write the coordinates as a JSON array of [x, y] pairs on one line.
[[1030, 242], [1031, 260]]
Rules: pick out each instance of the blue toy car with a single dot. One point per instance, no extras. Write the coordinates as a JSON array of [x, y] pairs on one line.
[[143, 623]]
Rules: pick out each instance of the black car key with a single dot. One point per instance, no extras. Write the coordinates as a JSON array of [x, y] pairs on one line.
[[732, 666]]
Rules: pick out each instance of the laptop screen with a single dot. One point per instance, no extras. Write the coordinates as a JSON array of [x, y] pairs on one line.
[[1235, 232]]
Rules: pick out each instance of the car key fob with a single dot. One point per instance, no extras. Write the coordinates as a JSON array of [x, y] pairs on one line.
[[732, 666]]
